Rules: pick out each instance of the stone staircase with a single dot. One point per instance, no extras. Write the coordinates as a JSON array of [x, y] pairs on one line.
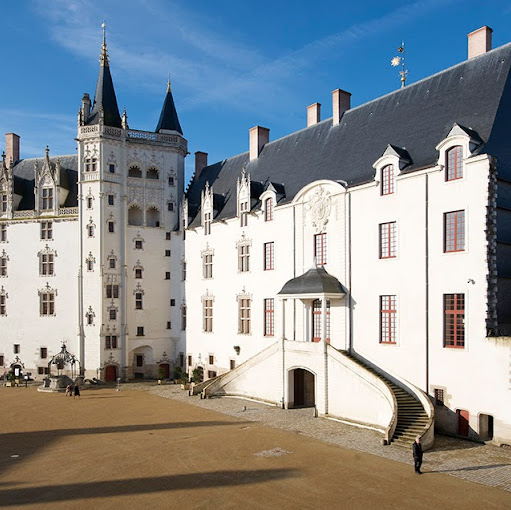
[[412, 420]]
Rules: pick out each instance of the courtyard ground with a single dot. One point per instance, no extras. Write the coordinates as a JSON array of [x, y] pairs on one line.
[[135, 449]]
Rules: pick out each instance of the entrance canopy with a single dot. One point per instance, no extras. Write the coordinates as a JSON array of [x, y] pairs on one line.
[[316, 283]]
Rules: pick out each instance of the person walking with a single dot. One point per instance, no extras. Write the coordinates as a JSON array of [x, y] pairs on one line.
[[417, 455]]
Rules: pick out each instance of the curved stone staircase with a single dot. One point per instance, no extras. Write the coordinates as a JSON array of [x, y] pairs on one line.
[[412, 419]]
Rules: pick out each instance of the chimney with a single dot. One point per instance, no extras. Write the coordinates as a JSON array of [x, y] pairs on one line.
[[313, 114], [258, 138], [201, 161], [12, 147], [479, 41], [341, 101], [86, 106]]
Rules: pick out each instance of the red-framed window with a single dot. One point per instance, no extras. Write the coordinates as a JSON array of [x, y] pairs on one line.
[[320, 249], [388, 248], [454, 231], [268, 209], [388, 314], [269, 317], [317, 321], [454, 163], [454, 320], [268, 256], [387, 180]]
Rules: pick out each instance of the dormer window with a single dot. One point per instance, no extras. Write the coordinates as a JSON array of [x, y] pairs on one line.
[[454, 163], [207, 224], [5, 199], [387, 180], [46, 199], [243, 214], [268, 209]]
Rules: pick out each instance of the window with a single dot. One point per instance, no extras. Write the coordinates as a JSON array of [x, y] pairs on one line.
[[112, 291], [167, 253], [90, 230], [172, 302], [320, 249], [388, 313], [167, 275], [170, 206], [42, 370], [111, 342], [16, 348], [243, 214], [183, 318], [387, 180], [183, 272], [454, 231], [94, 164], [269, 317], [134, 171], [207, 223], [111, 262], [46, 230], [4, 202], [111, 168], [388, 240], [138, 300], [111, 199], [138, 273], [207, 315], [189, 361], [244, 316], [167, 236], [140, 330], [268, 209], [152, 173], [47, 199], [139, 360], [3, 266], [454, 320], [112, 314], [232, 364], [90, 319], [439, 397], [87, 165], [243, 258], [171, 181], [3, 233], [211, 359], [138, 244], [168, 325], [207, 266], [3, 304], [47, 303], [317, 321], [89, 202], [268, 256], [111, 227], [46, 267], [211, 374], [454, 163], [90, 264]]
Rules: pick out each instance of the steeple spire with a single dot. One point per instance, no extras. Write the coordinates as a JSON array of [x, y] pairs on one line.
[[169, 120], [105, 102]]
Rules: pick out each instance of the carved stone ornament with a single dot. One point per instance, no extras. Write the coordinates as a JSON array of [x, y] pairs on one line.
[[319, 208]]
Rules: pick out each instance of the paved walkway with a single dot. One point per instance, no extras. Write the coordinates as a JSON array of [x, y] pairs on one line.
[[485, 464]]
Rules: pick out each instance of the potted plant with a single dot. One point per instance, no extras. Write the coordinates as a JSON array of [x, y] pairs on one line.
[[185, 385], [161, 375], [177, 374]]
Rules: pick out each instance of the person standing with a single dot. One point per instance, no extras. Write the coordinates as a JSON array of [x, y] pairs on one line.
[[417, 455]]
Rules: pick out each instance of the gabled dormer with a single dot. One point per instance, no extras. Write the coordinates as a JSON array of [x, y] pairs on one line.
[[207, 208], [393, 161], [47, 186], [243, 197], [453, 151], [269, 198]]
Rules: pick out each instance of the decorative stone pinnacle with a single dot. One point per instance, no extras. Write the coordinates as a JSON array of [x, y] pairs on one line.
[[103, 56]]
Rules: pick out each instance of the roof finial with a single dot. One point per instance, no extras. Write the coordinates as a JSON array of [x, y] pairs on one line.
[[401, 60], [168, 84], [103, 57]]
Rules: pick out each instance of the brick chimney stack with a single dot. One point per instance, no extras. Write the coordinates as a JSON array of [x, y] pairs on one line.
[[12, 147], [313, 114], [258, 138], [341, 101], [479, 41], [201, 161]]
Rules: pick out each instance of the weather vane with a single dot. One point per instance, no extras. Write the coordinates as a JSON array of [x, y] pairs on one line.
[[401, 60]]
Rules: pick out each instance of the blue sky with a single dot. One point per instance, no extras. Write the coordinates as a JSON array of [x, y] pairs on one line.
[[233, 64]]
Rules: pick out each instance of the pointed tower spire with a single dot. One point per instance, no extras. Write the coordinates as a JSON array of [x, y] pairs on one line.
[[104, 98], [169, 120]]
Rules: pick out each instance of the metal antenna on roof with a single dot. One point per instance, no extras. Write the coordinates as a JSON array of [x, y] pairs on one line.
[[401, 60]]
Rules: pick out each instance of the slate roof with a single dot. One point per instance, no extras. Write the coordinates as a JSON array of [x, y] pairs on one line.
[[475, 94], [24, 180], [314, 281], [168, 117]]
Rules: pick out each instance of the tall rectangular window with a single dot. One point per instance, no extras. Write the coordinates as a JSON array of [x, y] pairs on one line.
[[43, 352], [268, 209], [183, 271], [138, 301], [243, 214], [111, 227], [207, 266], [454, 320], [268, 256], [47, 303], [4, 202], [388, 313], [207, 315], [47, 266], [320, 249], [243, 258], [112, 291], [3, 305], [454, 163], [3, 266], [387, 180], [244, 316], [111, 342], [47, 199], [110, 199], [207, 223], [140, 330], [269, 317], [112, 314], [3, 233], [454, 231], [388, 240], [46, 230], [183, 318]]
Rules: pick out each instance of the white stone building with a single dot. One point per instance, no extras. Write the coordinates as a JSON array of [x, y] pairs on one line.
[[360, 266]]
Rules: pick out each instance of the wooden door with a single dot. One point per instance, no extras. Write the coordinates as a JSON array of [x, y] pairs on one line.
[[166, 369], [299, 387], [110, 373], [463, 417]]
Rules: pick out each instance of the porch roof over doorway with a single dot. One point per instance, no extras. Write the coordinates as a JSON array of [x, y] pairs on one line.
[[315, 283]]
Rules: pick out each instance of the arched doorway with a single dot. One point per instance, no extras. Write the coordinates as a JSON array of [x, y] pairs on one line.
[[301, 388], [166, 369], [110, 373]]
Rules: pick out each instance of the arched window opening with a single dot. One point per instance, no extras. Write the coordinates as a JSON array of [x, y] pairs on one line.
[[134, 171], [152, 217], [135, 216], [152, 173]]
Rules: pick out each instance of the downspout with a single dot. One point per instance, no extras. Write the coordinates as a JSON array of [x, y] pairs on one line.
[[427, 280], [350, 302], [80, 267]]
